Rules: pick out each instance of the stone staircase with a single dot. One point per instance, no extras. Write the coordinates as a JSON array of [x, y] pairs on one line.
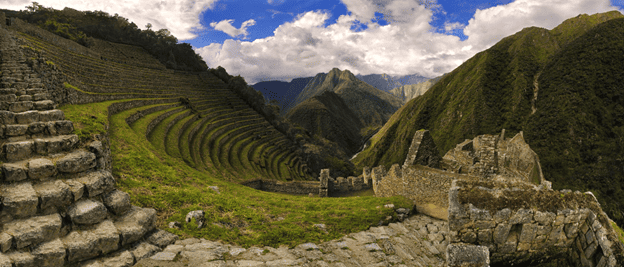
[[59, 202]]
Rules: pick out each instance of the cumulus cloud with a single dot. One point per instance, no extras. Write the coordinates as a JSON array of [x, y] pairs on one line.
[[407, 45], [226, 27], [180, 17], [490, 25]]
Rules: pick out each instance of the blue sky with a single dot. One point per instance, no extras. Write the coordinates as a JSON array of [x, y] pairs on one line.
[[284, 39]]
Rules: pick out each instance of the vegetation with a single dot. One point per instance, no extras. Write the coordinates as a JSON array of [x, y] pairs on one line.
[[237, 214], [561, 87], [81, 26]]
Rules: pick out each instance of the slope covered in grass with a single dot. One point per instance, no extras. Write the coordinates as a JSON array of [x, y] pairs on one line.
[[562, 87]]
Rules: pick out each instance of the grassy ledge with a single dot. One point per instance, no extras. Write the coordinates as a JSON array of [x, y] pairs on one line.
[[237, 214]]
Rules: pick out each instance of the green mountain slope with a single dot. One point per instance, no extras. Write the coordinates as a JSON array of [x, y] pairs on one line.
[[373, 106], [561, 87], [328, 116]]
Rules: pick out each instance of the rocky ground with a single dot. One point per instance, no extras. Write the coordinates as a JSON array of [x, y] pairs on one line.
[[418, 241]]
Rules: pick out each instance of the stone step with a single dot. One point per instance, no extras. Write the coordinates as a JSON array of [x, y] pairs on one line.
[[27, 198], [50, 128], [32, 231], [20, 150], [8, 91], [27, 117], [135, 223]]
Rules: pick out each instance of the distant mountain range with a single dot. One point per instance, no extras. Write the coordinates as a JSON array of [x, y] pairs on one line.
[[562, 88], [387, 82], [282, 92], [408, 92]]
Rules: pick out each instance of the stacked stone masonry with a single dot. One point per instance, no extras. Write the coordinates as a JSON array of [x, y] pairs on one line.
[[569, 231], [59, 202]]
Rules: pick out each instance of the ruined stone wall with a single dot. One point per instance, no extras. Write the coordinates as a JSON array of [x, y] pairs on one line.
[[427, 187], [523, 224], [294, 188]]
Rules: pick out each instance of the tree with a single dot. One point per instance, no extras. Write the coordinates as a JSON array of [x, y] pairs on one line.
[[148, 26], [34, 7]]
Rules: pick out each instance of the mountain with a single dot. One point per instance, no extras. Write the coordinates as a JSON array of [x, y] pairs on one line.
[[282, 92], [407, 92], [386, 82], [372, 106], [329, 117], [561, 87]]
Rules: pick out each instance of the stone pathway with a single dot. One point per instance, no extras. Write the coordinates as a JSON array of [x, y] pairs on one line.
[[418, 241]]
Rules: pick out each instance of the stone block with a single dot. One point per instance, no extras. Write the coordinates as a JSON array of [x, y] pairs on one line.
[[469, 237], [87, 211], [39, 169], [14, 172], [118, 259], [51, 115], [36, 127], [502, 215], [467, 255], [161, 238], [20, 106], [106, 236], [485, 236], [77, 189], [5, 261], [134, 224], [528, 233], [15, 130], [43, 105], [144, 250], [97, 182], [479, 214], [53, 194], [50, 254], [34, 230], [7, 117], [58, 144], [18, 150], [117, 201], [8, 98], [555, 235], [75, 162], [80, 245], [501, 232], [20, 200], [571, 229], [521, 216], [6, 241], [507, 247], [22, 259]]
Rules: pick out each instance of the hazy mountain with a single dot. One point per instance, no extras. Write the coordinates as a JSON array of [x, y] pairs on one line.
[[283, 92], [407, 92], [386, 82], [562, 87]]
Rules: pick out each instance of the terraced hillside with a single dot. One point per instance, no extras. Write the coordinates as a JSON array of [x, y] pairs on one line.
[[175, 142], [215, 131]]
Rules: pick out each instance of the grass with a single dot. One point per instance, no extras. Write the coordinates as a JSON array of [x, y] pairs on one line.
[[618, 231], [237, 215]]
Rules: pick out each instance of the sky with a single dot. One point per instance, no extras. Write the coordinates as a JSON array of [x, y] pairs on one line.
[[265, 40]]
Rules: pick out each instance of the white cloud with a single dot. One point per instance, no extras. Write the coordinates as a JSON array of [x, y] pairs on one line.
[[407, 45], [180, 17], [226, 27], [449, 27], [490, 25]]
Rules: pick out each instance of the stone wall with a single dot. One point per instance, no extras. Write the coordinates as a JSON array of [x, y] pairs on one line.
[[427, 187], [294, 188], [423, 151], [524, 224]]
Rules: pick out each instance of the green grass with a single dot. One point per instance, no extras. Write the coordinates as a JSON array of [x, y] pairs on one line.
[[618, 231], [238, 215]]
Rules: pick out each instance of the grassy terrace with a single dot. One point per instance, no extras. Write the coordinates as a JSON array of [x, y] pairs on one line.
[[237, 214], [169, 156]]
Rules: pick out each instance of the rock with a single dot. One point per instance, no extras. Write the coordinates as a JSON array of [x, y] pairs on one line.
[[198, 215], [389, 206], [467, 256], [117, 201], [402, 211], [39, 169], [87, 211], [50, 254], [19, 200], [118, 259], [161, 238], [14, 172], [6, 241], [176, 225], [144, 250], [97, 182], [75, 162], [18, 150], [53, 194], [215, 188]]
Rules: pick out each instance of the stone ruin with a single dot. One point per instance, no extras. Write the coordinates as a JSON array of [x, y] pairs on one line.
[[501, 211], [59, 202]]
